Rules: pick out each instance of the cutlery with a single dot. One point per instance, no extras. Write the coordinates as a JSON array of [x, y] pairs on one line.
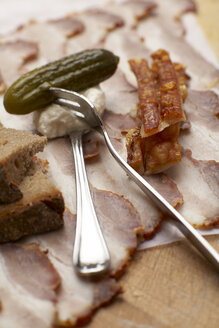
[[90, 254], [74, 100]]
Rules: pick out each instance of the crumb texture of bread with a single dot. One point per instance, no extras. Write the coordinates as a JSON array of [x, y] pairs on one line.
[[39, 210], [16, 150]]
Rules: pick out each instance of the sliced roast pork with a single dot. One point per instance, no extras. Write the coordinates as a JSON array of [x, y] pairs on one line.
[[98, 23], [198, 181], [27, 288], [77, 298], [202, 108], [13, 55], [156, 35]]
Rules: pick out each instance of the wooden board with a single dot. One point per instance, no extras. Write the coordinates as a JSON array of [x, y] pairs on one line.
[[208, 18], [170, 286]]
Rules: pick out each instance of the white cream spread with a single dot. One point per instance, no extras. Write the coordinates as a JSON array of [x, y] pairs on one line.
[[56, 121]]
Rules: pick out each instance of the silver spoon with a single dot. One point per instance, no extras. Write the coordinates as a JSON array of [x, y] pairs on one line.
[[90, 254], [69, 98]]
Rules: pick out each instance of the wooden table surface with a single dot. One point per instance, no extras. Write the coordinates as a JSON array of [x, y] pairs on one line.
[[169, 286]]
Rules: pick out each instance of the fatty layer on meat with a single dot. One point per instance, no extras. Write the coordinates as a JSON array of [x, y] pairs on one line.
[[157, 35], [198, 182], [77, 298], [97, 24], [202, 108], [21, 304], [13, 55]]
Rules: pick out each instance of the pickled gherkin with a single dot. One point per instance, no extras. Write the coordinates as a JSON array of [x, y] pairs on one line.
[[75, 72]]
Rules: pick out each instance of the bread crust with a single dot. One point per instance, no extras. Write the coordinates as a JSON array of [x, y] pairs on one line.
[[41, 217], [39, 210]]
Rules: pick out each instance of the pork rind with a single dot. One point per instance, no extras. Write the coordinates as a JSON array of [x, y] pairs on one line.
[[162, 91]]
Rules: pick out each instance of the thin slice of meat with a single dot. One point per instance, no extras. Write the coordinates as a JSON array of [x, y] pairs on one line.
[[26, 299], [174, 9], [202, 108], [19, 122], [3, 86], [118, 122], [69, 25], [106, 20], [166, 187], [98, 23], [156, 34], [30, 268], [77, 297], [90, 148], [121, 96], [61, 169], [19, 310], [170, 12], [26, 50], [105, 173], [42, 34], [198, 181], [120, 234], [126, 44], [132, 11], [50, 47], [117, 125], [113, 177], [13, 55]]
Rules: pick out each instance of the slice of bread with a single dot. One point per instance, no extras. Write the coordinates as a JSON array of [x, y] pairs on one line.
[[16, 151], [39, 210]]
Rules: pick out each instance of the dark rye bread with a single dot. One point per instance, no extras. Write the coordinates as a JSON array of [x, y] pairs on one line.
[[39, 210], [16, 151]]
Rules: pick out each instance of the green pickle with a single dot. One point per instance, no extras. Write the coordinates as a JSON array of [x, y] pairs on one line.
[[76, 72]]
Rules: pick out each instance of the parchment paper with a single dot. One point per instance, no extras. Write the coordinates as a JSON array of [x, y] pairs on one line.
[[14, 13]]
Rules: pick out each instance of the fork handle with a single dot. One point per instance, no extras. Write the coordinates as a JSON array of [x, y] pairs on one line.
[[90, 254], [185, 227]]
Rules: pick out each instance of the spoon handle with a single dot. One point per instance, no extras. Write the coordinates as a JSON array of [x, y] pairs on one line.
[[90, 255], [185, 227]]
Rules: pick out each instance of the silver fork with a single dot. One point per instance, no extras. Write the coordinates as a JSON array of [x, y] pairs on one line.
[[69, 98]]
